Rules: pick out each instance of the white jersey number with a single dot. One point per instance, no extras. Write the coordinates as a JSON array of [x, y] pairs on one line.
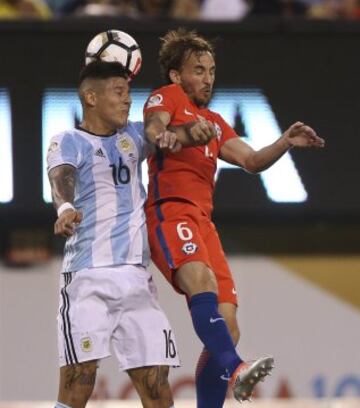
[[185, 233]]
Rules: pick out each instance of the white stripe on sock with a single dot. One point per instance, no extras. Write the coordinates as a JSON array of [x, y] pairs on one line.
[[60, 405]]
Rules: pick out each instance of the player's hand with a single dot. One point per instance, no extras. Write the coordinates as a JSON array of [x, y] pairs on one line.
[[301, 135], [168, 140], [66, 223], [202, 132]]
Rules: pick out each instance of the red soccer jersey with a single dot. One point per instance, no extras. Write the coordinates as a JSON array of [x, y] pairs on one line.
[[188, 174]]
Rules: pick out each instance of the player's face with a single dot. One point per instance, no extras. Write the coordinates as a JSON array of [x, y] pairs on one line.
[[113, 102], [197, 76]]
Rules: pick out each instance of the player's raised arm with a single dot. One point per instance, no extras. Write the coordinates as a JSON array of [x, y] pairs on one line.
[[62, 181], [159, 132], [236, 151]]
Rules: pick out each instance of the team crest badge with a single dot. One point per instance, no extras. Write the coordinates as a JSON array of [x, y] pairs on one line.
[[189, 248], [154, 100], [86, 344], [124, 144]]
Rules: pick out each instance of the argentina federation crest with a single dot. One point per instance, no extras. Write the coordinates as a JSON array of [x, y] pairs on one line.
[[125, 144], [86, 344]]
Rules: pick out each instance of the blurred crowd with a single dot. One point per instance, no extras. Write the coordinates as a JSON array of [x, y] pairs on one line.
[[205, 10]]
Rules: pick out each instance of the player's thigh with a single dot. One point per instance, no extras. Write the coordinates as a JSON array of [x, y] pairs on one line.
[[84, 325], [142, 335], [77, 383], [152, 385], [175, 238]]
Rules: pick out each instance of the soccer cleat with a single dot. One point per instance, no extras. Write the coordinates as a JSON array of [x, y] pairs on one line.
[[247, 375]]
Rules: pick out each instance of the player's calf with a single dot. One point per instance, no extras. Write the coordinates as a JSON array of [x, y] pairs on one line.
[[76, 384], [152, 385]]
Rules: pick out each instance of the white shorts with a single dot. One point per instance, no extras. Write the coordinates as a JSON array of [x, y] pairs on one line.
[[117, 305]]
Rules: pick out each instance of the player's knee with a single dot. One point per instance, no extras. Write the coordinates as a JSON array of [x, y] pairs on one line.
[[196, 277]]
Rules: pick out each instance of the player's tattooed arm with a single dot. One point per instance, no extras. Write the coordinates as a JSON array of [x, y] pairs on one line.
[[62, 180]]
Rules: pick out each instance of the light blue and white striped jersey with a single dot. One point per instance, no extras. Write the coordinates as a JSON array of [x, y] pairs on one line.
[[109, 193]]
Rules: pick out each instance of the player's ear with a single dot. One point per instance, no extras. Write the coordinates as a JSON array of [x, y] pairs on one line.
[[174, 76], [90, 97]]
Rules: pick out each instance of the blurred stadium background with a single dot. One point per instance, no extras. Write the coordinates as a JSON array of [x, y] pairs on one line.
[[292, 234]]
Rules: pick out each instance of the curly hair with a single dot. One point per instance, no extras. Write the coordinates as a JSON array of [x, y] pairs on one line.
[[177, 46]]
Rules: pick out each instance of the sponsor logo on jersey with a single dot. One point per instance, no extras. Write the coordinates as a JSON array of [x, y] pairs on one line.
[[188, 113], [189, 248], [124, 144], [86, 344], [99, 153], [233, 291], [154, 100]]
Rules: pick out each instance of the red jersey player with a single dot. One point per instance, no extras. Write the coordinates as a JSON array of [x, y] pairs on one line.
[[183, 240]]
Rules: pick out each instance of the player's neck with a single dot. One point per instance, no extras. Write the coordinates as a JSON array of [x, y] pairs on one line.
[[97, 128], [196, 102]]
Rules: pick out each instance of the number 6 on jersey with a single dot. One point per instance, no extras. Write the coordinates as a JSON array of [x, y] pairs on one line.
[[185, 233]]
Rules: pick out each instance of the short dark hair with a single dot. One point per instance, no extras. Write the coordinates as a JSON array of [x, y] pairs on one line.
[[103, 70], [177, 45]]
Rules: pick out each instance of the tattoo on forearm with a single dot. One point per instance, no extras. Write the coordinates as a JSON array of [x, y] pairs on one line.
[[62, 181]]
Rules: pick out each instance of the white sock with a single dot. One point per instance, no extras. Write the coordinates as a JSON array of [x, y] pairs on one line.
[[61, 405]]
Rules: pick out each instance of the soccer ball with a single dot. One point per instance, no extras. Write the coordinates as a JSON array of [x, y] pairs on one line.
[[115, 45]]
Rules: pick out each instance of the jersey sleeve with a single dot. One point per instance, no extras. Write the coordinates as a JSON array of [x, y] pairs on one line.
[[163, 99], [226, 131], [62, 150]]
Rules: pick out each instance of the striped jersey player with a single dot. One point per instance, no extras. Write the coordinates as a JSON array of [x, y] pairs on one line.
[[107, 295], [109, 193]]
